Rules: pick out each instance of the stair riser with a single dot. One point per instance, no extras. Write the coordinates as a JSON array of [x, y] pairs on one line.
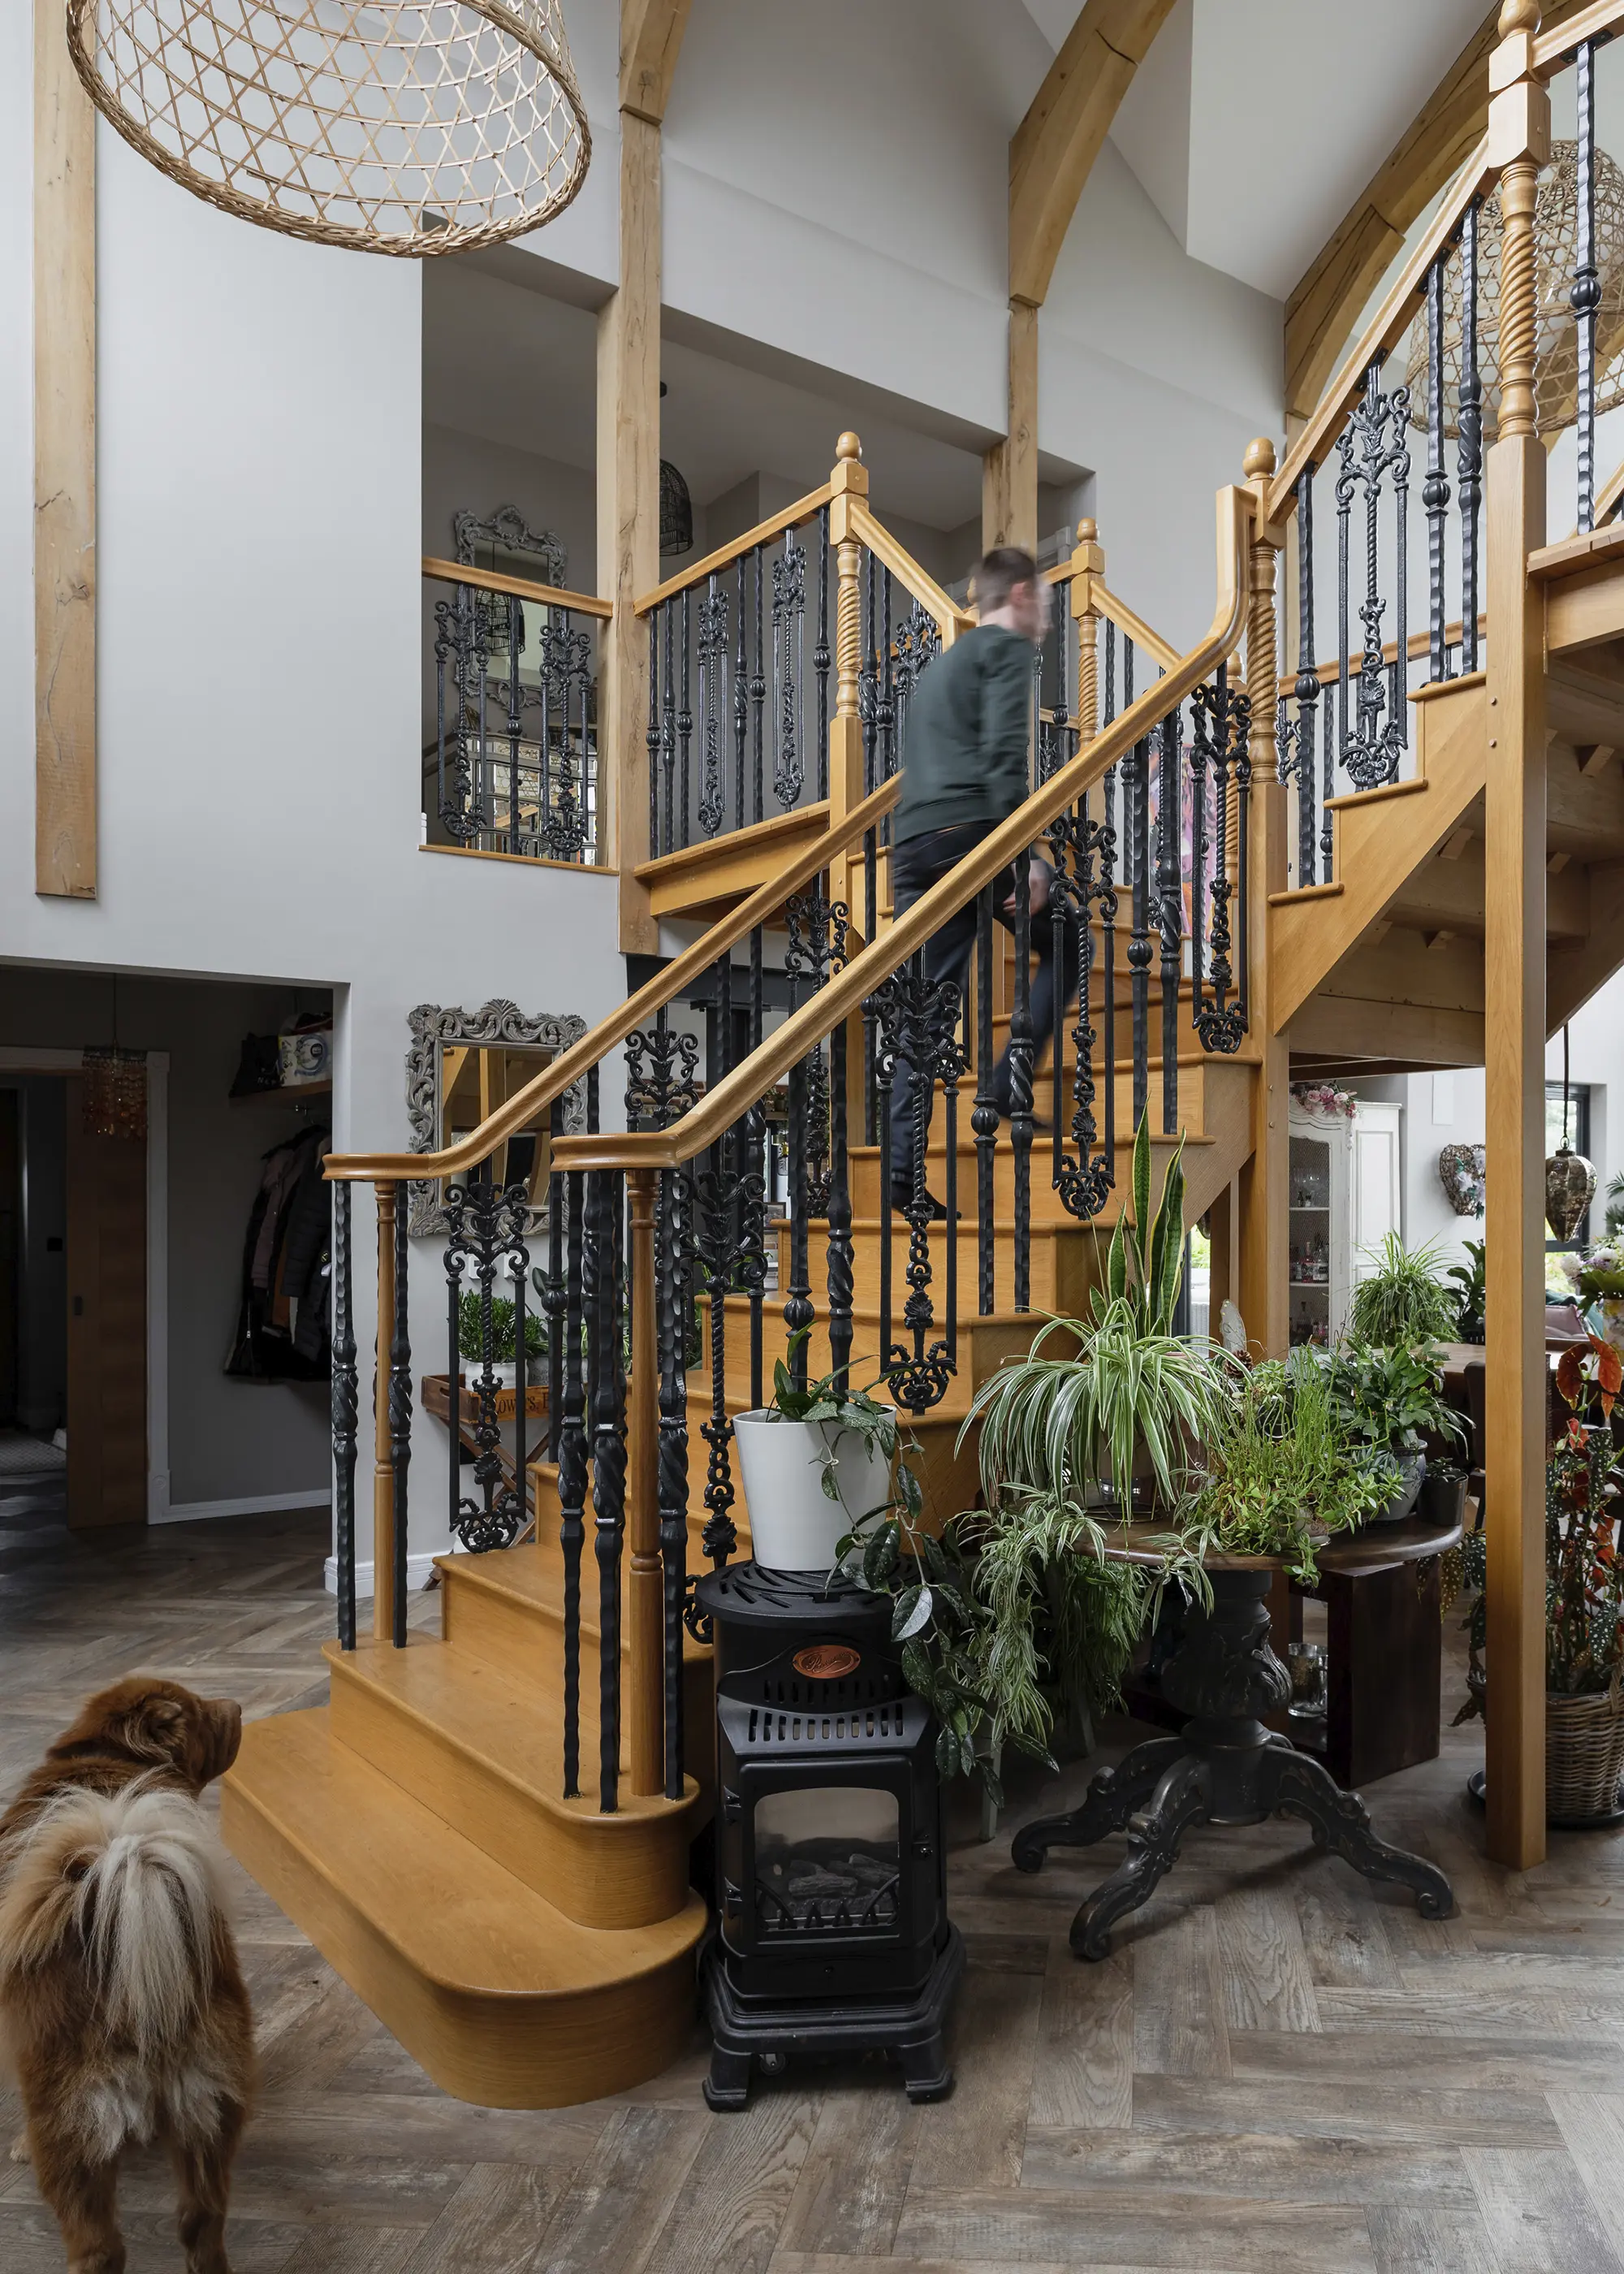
[[1044, 1202], [524, 1641], [630, 1875], [496, 2051]]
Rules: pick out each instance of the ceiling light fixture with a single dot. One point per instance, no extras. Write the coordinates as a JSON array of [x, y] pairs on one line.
[[413, 127]]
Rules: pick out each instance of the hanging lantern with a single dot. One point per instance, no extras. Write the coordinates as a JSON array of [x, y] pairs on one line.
[[676, 513], [402, 126], [1570, 1179], [113, 1092], [1556, 355]]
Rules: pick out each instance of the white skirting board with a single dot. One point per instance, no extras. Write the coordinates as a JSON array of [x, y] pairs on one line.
[[419, 1571], [199, 1511]]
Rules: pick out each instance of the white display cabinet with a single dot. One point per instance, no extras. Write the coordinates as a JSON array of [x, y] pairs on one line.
[[1344, 1191]]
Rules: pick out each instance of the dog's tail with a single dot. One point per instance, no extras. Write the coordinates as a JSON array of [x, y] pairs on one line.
[[132, 1880]]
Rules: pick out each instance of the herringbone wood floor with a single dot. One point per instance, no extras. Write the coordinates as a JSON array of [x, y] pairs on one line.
[[1282, 2069]]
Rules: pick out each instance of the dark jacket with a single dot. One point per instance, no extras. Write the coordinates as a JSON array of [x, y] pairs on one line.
[[969, 730]]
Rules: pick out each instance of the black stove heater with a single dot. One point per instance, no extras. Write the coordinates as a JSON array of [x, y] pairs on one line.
[[832, 1872]]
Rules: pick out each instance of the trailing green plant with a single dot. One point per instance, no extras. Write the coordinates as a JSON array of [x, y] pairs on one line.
[[1404, 1300], [1284, 1470], [503, 1349], [1472, 1295]]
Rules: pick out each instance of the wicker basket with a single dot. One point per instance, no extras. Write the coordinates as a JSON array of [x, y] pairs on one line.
[[1585, 1756]]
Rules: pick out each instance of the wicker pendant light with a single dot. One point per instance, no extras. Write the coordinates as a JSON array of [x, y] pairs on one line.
[[1556, 360], [402, 126], [1570, 1179]]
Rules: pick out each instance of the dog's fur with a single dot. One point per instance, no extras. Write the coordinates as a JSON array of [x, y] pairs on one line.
[[122, 2006]]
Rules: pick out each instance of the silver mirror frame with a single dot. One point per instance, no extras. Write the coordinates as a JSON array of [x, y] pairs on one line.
[[433, 1025]]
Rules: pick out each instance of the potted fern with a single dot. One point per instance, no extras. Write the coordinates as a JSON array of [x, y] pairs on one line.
[[816, 1463], [498, 1342]]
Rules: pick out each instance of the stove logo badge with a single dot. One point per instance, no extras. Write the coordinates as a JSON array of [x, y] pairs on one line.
[[827, 1662]]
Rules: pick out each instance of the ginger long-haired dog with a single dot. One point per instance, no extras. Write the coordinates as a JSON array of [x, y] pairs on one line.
[[122, 2006]]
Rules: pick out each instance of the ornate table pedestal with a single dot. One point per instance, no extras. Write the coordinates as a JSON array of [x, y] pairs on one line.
[[1227, 1767]]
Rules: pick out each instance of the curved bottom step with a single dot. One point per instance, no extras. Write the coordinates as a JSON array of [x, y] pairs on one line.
[[502, 1999]]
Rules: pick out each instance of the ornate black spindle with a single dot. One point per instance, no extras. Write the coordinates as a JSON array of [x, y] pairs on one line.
[[712, 660], [1327, 819], [1170, 904], [789, 633], [572, 1463], [672, 1265], [754, 1138], [514, 694], [566, 681], [1435, 488], [918, 1024], [1584, 298], [653, 738], [984, 1116], [1222, 726], [1306, 685], [461, 652], [400, 1406], [1023, 1050], [758, 698], [815, 948], [741, 699], [685, 726], [346, 1415], [484, 1226], [1369, 750], [820, 653], [1135, 787], [1469, 453], [1082, 850], [885, 691], [555, 1290], [608, 1474], [1108, 707]]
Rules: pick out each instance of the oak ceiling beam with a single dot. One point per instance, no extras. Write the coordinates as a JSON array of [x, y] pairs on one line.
[[651, 40], [1333, 290], [1055, 145]]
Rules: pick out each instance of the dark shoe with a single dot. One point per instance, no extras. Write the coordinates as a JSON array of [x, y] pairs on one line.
[[902, 1201]]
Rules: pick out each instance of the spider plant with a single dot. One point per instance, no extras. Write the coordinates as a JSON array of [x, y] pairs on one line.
[[1404, 1300]]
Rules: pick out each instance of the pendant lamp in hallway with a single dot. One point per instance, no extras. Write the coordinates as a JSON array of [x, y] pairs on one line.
[[400, 126]]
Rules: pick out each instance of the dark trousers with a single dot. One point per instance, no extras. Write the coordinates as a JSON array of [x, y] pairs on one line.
[[917, 863]]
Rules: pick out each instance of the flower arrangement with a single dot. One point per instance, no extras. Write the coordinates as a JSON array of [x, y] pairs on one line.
[[1324, 1097], [1599, 1272]]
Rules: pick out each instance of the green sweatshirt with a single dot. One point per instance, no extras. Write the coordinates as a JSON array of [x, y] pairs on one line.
[[965, 754]]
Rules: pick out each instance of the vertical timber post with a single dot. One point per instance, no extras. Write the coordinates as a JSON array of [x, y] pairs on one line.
[[1010, 468], [1264, 1224], [1514, 987], [646, 1603]]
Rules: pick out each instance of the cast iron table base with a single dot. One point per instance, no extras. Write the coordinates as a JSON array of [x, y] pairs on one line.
[[1227, 1767], [747, 2030]]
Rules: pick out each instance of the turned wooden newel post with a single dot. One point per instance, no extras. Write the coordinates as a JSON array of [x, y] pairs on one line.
[[850, 481], [1087, 563], [1515, 986], [1264, 1225], [383, 1451], [645, 1606]]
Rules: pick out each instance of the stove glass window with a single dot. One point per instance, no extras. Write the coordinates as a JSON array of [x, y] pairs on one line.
[[827, 1858]]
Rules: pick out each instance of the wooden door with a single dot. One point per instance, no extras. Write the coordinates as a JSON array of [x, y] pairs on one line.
[[107, 1324], [1378, 1183], [11, 1214]]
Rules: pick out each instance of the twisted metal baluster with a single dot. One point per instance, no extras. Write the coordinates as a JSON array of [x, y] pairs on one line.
[[1435, 489], [516, 718], [758, 693], [789, 634], [555, 1293], [841, 1277], [608, 1472], [346, 1416], [1170, 906], [1082, 848], [685, 724], [1468, 454], [1022, 1051], [820, 653], [572, 1463], [671, 1263], [1328, 820], [984, 1118], [653, 738], [1584, 298], [918, 1021], [741, 700], [1139, 949], [482, 1223], [1305, 688], [712, 696], [400, 1406], [755, 1139]]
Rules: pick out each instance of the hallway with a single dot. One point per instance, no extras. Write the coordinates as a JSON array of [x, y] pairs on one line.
[[1280, 2069]]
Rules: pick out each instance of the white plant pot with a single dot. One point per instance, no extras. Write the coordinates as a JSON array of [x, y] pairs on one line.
[[795, 1526], [504, 1373]]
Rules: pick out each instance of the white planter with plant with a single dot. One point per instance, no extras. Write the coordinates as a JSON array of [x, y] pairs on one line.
[[816, 1464]]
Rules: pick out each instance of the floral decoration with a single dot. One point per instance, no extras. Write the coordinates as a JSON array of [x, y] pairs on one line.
[[1324, 1097]]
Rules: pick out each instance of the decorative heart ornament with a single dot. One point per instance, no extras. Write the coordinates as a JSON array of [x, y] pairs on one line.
[[1462, 1171]]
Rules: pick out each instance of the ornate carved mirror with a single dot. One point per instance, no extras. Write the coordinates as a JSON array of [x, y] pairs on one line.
[[461, 1066]]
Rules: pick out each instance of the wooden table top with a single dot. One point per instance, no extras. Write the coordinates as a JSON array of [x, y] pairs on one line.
[[1375, 1544]]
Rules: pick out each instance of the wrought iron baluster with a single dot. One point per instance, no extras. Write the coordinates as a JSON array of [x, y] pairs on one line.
[[984, 1117], [485, 1225], [918, 1026], [1022, 1052], [1110, 710], [1584, 298], [712, 660], [1327, 825], [1306, 685], [1468, 452], [572, 1464], [841, 1278], [400, 1407], [346, 1416], [565, 672], [1223, 730], [1081, 846], [1139, 950], [1369, 750], [653, 738], [1170, 904], [820, 653], [817, 947], [515, 718], [555, 1292], [608, 1468], [754, 1141], [461, 654], [1435, 489], [741, 700], [673, 1265], [885, 693], [685, 728], [758, 696], [789, 631]]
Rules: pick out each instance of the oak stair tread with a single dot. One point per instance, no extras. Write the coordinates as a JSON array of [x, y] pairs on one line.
[[531, 1577], [512, 1730], [451, 1913]]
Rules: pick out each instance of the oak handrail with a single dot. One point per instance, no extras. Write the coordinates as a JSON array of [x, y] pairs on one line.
[[764, 531], [556, 1077], [1134, 626], [951, 618], [491, 580], [845, 993], [1552, 49]]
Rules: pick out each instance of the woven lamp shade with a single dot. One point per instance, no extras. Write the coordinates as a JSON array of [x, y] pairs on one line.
[[1556, 356], [385, 127]]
